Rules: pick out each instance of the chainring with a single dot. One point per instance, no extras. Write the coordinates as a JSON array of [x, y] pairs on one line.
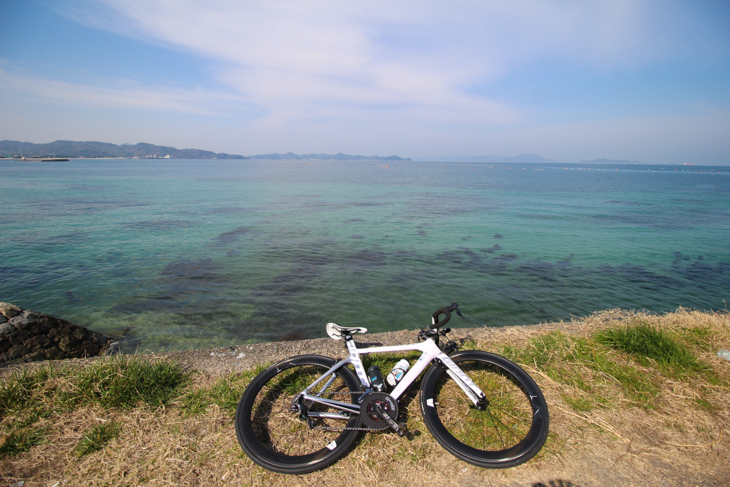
[[369, 414]]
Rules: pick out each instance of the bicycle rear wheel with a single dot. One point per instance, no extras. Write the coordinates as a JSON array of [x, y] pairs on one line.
[[508, 432], [272, 433]]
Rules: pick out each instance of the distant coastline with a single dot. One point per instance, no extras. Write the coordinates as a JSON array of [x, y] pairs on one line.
[[61, 150], [67, 149], [41, 159]]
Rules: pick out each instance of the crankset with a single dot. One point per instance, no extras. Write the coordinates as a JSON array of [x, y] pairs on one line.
[[379, 411]]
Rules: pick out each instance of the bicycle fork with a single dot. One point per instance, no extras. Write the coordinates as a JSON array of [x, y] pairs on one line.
[[465, 383]]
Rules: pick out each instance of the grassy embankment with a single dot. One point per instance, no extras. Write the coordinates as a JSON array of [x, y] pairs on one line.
[[628, 393]]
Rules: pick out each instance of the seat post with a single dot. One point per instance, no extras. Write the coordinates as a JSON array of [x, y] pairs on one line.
[[350, 344]]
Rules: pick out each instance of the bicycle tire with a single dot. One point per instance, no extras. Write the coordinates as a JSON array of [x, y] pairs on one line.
[[273, 435], [512, 428]]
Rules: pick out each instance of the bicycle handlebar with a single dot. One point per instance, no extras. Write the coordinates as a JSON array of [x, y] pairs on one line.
[[436, 323]]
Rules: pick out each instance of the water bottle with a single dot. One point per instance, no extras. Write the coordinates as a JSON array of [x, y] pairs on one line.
[[376, 377], [398, 372]]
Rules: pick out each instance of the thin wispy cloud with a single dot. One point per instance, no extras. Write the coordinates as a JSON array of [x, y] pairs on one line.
[[127, 94], [399, 54]]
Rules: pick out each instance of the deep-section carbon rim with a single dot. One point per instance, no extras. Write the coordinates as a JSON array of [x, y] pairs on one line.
[[512, 428], [276, 437]]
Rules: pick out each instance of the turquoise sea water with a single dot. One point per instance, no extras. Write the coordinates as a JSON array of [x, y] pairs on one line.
[[182, 254]]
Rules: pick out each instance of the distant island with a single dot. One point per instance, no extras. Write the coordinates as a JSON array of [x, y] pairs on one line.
[[72, 149], [61, 149]]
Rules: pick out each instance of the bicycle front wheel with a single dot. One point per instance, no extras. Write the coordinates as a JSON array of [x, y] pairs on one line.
[[276, 437], [509, 431]]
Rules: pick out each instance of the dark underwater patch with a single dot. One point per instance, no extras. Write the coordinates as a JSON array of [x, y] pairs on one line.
[[287, 286], [159, 225], [700, 273], [227, 238], [507, 257], [228, 210], [368, 257], [84, 206], [186, 287], [540, 269], [679, 256], [367, 204], [186, 270]]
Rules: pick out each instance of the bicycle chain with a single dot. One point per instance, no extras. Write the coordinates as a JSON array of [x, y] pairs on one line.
[[333, 428]]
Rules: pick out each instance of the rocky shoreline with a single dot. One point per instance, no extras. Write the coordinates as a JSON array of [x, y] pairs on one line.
[[29, 336]]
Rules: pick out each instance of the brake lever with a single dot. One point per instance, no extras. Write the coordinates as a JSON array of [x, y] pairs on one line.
[[455, 307]]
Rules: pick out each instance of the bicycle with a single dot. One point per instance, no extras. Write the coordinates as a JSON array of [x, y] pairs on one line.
[[480, 407]]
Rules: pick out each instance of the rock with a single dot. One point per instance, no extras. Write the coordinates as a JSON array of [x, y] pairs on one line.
[[27, 336], [6, 329], [9, 311]]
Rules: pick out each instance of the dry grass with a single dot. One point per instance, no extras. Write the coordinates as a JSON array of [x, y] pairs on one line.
[[601, 432]]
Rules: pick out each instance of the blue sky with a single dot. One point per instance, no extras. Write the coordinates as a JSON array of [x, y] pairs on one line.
[[564, 79]]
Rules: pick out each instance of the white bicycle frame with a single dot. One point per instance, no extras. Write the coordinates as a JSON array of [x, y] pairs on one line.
[[429, 352]]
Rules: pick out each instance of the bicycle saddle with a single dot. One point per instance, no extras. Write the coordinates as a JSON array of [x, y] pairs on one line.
[[336, 331]]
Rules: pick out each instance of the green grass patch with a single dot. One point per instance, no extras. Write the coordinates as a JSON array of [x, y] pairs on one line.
[[587, 366], [225, 393], [545, 352], [706, 405], [30, 394], [23, 387], [195, 402], [97, 437], [579, 403], [648, 344], [118, 382], [123, 382], [20, 440], [698, 337]]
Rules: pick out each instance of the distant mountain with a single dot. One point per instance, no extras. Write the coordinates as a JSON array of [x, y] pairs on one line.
[[71, 149], [461, 158]]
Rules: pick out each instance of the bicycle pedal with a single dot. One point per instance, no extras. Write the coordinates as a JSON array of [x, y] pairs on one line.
[[402, 429]]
